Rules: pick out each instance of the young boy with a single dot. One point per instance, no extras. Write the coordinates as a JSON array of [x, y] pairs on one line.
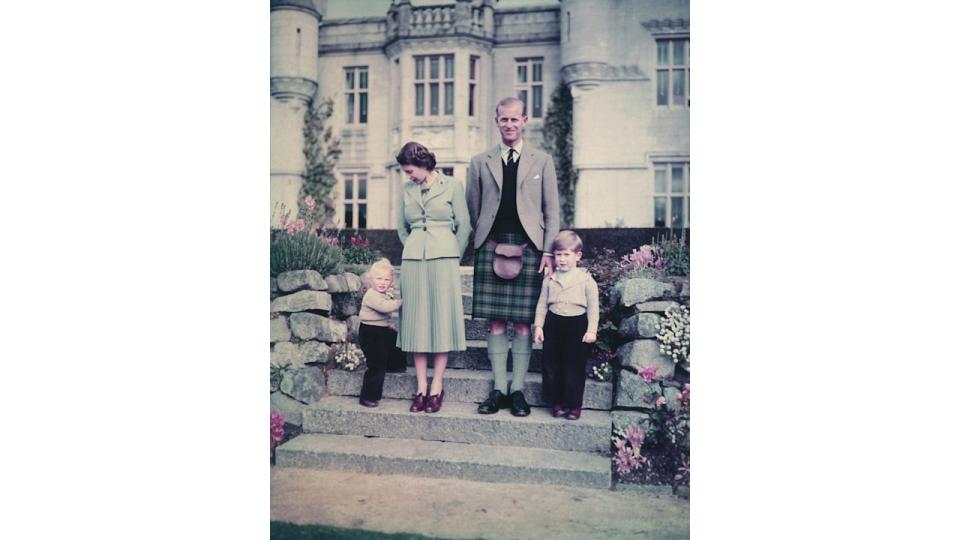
[[378, 340], [566, 323]]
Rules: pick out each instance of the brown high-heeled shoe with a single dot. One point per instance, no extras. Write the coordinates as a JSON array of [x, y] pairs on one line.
[[434, 402], [418, 403]]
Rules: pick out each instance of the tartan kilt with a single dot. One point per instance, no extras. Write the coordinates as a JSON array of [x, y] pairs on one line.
[[506, 300]]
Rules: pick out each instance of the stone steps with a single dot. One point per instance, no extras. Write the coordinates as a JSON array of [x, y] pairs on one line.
[[460, 422], [445, 459], [462, 385], [475, 357]]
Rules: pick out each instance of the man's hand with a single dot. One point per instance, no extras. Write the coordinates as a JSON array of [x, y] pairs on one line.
[[538, 335], [589, 337], [546, 265]]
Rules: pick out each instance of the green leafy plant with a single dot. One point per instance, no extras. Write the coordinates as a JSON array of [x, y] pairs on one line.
[[675, 253], [304, 251], [558, 142], [321, 152], [358, 252]]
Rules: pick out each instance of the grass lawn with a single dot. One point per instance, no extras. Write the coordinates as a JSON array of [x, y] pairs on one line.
[[281, 530]]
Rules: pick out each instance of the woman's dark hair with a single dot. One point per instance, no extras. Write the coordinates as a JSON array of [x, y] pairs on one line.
[[416, 154]]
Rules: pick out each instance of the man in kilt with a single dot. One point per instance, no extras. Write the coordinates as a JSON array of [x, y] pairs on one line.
[[512, 197]]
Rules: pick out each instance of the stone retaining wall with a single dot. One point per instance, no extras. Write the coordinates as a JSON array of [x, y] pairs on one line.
[[308, 314]]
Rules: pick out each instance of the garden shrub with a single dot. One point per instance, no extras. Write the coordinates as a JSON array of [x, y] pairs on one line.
[[304, 251]]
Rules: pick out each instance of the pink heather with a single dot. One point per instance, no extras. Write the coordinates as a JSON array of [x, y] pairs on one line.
[[308, 200]]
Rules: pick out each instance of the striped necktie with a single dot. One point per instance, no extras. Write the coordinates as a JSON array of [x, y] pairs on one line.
[[510, 157]]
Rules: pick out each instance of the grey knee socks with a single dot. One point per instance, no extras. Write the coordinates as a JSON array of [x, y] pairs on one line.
[[497, 348], [522, 346]]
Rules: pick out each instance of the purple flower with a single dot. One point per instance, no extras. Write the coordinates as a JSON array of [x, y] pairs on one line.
[[635, 435], [648, 374]]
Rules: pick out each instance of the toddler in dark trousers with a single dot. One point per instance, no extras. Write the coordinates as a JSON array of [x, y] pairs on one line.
[[566, 323], [378, 340]]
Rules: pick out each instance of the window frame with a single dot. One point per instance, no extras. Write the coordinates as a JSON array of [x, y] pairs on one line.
[[519, 87], [356, 98], [429, 83], [668, 166], [355, 201], [671, 68]]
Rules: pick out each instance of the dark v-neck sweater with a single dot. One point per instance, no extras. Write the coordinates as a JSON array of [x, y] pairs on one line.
[[507, 220]]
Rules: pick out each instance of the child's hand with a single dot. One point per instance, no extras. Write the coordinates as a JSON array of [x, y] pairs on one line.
[[589, 337], [538, 335], [392, 326]]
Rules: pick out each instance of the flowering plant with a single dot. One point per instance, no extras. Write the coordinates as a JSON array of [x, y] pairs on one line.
[[674, 334], [348, 356], [645, 257], [602, 372], [302, 244], [358, 251], [628, 443], [276, 430]]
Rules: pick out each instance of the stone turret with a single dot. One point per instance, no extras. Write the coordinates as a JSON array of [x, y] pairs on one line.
[[294, 34]]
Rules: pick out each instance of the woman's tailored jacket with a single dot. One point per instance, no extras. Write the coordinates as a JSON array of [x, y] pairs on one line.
[[434, 225]]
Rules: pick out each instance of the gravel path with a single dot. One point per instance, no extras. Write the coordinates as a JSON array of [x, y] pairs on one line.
[[466, 509]]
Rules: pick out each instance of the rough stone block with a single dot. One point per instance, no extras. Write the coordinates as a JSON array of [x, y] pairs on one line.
[[643, 353], [672, 395], [285, 353], [314, 351], [345, 305], [301, 279], [302, 301], [353, 325], [635, 290], [641, 325], [304, 385], [312, 326], [291, 409], [656, 306], [279, 330], [632, 389], [345, 282], [622, 419]]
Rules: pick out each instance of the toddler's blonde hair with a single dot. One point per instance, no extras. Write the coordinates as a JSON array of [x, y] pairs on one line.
[[382, 265]]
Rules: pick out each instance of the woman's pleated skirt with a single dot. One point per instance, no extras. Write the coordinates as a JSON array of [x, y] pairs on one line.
[[431, 318]]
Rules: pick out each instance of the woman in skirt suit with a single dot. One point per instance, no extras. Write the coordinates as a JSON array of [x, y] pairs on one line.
[[434, 227]]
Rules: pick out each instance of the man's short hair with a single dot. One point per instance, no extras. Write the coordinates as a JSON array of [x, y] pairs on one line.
[[567, 239], [507, 101]]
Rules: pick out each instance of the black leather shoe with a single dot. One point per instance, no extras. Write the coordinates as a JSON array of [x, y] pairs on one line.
[[518, 405], [492, 403]]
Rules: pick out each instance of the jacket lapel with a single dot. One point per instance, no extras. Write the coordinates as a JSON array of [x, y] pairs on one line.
[[439, 188], [495, 165], [413, 189], [526, 165]]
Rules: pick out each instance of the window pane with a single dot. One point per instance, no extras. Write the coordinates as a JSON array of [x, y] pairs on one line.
[[473, 90], [434, 99], [676, 211], [662, 83], [419, 68], [679, 87], [679, 53], [659, 211], [663, 53], [448, 67], [362, 188], [363, 107], [349, 108], [537, 101], [347, 189], [362, 216], [363, 79], [473, 67], [537, 72], [434, 67], [522, 95], [349, 79], [419, 100], [676, 179], [348, 215], [448, 98], [660, 181], [522, 73]]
